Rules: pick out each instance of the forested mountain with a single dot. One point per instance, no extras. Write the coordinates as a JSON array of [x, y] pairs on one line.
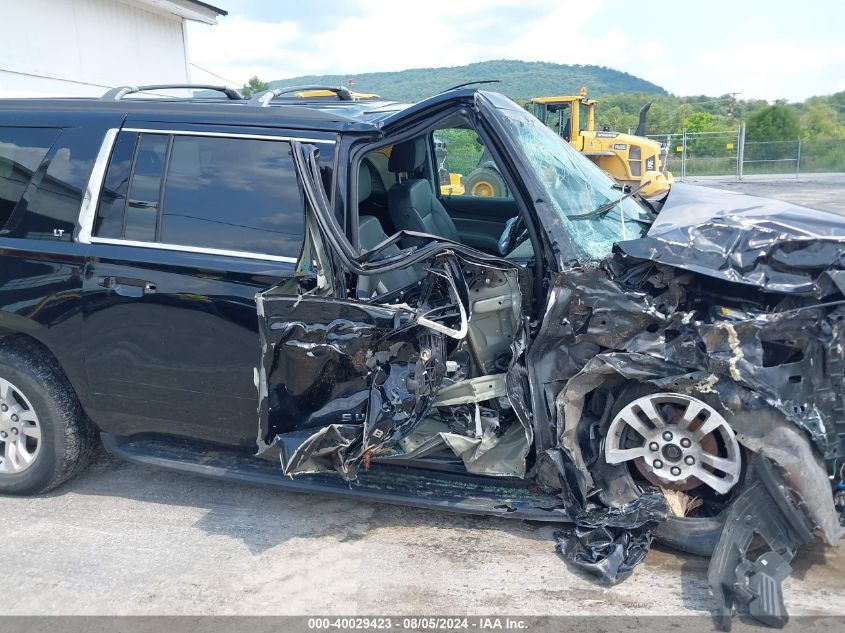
[[621, 95], [519, 80]]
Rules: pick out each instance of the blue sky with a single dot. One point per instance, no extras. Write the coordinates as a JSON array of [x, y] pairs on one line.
[[767, 50]]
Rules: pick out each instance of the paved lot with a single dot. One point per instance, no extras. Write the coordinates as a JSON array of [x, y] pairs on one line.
[[818, 191], [122, 539]]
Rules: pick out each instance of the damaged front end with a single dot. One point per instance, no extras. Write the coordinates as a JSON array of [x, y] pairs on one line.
[[661, 391], [716, 381]]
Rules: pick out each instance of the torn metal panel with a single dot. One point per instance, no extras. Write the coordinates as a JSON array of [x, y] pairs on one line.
[[769, 434], [745, 239], [766, 510], [353, 373], [791, 360], [488, 453], [610, 543], [315, 368], [472, 390], [483, 420], [349, 381]]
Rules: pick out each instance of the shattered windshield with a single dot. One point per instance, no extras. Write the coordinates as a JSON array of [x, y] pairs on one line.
[[575, 186]]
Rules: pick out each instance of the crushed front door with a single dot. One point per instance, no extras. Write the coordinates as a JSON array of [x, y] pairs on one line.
[[342, 381]]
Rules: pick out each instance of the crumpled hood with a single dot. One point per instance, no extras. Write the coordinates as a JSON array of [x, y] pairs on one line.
[[763, 242]]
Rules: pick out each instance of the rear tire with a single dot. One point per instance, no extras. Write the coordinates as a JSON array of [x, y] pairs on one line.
[[60, 438]]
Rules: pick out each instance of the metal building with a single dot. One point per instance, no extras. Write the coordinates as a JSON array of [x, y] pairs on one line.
[[82, 47]]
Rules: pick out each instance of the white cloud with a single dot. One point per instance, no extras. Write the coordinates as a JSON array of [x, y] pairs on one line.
[[764, 70], [396, 35], [382, 35]]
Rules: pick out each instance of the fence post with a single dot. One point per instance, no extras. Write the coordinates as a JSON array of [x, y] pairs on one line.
[[684, 155], [740, 155], [798, 160]]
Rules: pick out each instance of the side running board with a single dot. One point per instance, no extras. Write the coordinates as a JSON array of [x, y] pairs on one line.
[[383, 483]]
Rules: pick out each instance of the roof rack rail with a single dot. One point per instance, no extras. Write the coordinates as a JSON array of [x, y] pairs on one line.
[[263, 99], [116, 94]]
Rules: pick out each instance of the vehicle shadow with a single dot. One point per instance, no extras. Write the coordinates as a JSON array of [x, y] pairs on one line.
[[263, 518]]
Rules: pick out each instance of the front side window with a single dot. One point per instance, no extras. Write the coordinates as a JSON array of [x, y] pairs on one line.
[[465, 167], [224, 193], [575, 186]]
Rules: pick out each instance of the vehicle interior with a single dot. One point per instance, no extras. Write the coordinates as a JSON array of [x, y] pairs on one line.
[[416, 185]]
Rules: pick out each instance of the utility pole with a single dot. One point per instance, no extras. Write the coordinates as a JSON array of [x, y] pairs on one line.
[[733, 102]]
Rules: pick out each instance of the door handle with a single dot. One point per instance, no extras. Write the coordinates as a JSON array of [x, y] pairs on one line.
[[128, 287], [142, 204]]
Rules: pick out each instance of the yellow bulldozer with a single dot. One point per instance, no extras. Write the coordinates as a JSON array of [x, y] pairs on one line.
[[631, 159]]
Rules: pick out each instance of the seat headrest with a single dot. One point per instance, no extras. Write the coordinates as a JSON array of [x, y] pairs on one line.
[[407, 156], [365, 182]]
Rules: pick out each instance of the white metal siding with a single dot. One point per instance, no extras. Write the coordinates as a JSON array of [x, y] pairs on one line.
[[82, 47]]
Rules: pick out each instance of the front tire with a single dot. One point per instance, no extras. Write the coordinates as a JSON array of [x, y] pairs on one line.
[[486, 183], [45, 437], [624, 481]]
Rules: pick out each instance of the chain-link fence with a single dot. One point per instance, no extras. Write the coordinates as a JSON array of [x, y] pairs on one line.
[[822, 155], [729, 153], [701, 153], [772, 157], [691, 154]]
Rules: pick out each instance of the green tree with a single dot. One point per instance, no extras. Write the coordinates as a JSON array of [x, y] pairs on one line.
[[253, 86], [614, 118], [773, 123], [700, 122], [819, 118]]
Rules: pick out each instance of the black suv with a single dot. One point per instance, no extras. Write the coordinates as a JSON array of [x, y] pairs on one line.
[[563, 351]]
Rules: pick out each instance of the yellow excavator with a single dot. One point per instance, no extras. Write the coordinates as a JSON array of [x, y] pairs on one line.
[[631, 159]]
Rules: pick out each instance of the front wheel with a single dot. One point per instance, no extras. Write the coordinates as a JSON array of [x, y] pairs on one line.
[[45, 437], [680, 445]]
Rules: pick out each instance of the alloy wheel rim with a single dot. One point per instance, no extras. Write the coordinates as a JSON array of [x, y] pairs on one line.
[[20, 430], [685, 442]]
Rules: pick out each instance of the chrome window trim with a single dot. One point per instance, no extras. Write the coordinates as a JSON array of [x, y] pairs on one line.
[[254, 137], [200, 250], [90, 200], [88, 208]]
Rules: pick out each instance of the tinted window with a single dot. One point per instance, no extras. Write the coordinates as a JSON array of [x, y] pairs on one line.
[[233, 194], [21, 152], [112, 208], [145, 188]]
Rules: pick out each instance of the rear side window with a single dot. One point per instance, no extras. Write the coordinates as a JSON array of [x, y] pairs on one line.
[[224, 193], [233, 194], [112, 210], [145, 191], [21, 152]]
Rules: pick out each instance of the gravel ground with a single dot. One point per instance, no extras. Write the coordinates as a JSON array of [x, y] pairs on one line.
[[123, 539]]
